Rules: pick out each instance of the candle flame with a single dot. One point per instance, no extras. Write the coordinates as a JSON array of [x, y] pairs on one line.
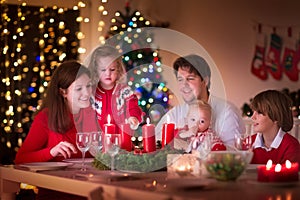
[[154, 183], [269, 165], [108, 118], [184, 168], [278, 168], [181, 168], [148, 120], [288, 164]]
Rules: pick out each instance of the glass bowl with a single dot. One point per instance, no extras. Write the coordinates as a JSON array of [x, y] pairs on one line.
[[227, 165]]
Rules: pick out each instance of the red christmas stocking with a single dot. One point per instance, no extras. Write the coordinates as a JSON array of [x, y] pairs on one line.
[[289, 65], [258, 67], [294, 74], [272, 60]]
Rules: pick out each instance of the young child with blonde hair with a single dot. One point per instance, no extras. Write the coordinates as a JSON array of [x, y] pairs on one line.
[[112, 95]]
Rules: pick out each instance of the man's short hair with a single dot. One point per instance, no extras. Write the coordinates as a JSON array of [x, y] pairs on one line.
[[193, 64]]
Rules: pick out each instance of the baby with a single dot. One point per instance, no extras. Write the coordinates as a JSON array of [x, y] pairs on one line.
[[199, 132]]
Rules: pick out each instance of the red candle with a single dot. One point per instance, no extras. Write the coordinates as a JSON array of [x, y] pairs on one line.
[[264, 171], [148, 131], [282, 174], [109, 128], [168, 130], [290, 171], [126, 133], [278, 172]]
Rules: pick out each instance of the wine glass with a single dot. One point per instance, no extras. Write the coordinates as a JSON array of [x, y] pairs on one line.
[[97, 144], [83, 142], [205, 147], [112, 146], [243, 142]]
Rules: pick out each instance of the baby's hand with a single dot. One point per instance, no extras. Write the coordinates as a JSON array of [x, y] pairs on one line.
[[134, 123], [186, 134], [63, 148], [180, 144]]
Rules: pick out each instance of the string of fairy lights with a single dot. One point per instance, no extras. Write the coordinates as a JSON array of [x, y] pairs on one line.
[[12, 68], [37, 39], [21, 94], [28, 60]]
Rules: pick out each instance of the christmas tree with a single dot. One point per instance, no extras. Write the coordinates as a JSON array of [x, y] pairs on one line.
[[129, 34]]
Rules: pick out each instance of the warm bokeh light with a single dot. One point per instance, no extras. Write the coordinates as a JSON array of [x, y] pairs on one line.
[[26, 66]]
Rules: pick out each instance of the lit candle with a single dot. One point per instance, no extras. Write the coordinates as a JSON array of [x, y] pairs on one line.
[[278, 172], [183, 170], [291, 171], [269, 165], [126, 133], [278, 168], [109, 128], [148, 131], [263, 172], [288, 164], [168, 131]]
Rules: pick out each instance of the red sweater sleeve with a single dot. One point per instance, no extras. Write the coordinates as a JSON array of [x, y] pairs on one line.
[[34, 148], [134, 109]]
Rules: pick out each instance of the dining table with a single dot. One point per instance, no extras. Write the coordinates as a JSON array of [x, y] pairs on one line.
[[95, 184]]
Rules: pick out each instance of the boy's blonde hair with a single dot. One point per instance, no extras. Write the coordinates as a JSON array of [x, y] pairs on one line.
[[106, 51], [200, 105]]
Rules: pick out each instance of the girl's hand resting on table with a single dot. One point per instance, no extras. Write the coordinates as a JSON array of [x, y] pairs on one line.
[[64, 149]]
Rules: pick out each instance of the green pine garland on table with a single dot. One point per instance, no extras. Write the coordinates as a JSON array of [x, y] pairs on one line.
[[129, 161]]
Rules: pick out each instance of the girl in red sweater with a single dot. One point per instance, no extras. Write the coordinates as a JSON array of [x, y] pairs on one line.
[[112, 96], [65, 111], [273, 119]]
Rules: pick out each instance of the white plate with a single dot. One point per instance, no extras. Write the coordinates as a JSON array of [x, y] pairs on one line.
[[107, 176], [78, 160], [42, 166]]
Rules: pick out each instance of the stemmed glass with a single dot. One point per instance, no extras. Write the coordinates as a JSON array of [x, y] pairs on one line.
[[112, 146], [97, 142], [83, 142], [242, 142], [205, 146]]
